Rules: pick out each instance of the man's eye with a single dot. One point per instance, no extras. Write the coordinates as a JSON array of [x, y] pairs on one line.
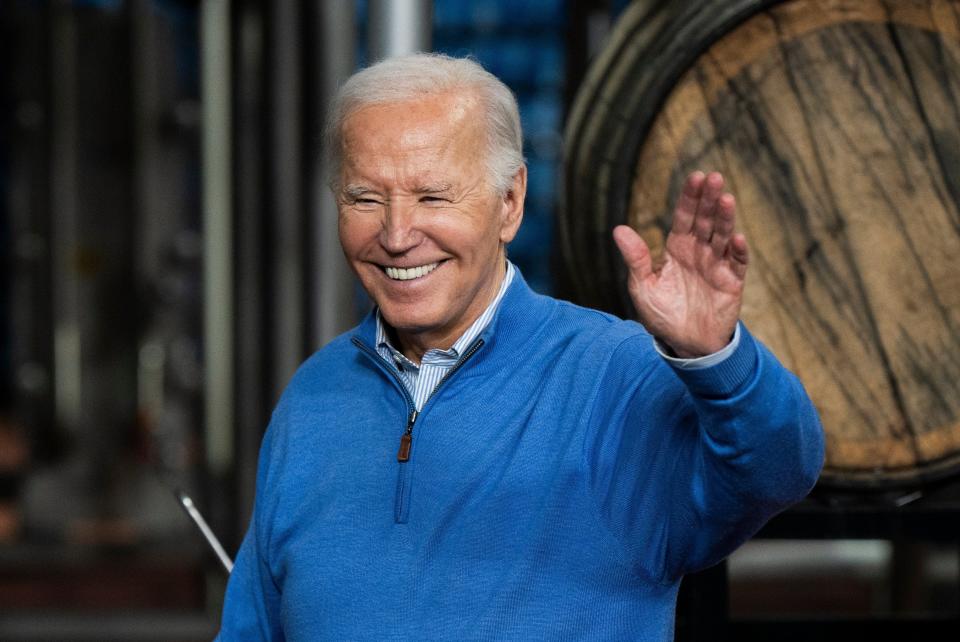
[[366, 201], [432, 199]]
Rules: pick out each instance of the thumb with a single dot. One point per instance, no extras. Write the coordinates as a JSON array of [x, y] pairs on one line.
[[635, 252]]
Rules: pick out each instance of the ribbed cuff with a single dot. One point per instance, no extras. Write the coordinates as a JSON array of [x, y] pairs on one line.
[[726, 377]]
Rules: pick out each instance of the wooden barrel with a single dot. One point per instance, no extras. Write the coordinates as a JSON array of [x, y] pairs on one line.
[[837, 125]]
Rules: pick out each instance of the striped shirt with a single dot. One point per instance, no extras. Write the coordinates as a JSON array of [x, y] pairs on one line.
[[421, 380]]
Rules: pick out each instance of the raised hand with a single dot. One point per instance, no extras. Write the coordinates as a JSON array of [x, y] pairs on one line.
[[692, 301]]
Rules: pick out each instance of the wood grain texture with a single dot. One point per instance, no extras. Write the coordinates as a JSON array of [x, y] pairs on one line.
[[837, 124]]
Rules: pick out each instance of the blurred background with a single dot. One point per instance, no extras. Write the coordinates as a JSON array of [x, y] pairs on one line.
[[169, 256]]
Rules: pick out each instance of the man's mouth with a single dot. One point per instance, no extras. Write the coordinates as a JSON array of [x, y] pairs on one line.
[[406, 274]]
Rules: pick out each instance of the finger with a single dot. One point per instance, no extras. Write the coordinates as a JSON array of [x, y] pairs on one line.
[[686, 208], [739, 254], [706, 209], [724, 224], [635, 252]]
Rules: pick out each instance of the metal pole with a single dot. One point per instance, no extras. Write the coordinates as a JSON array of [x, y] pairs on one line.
[[398, 27], [252, 408], [148, 212], [334, 30], [286, 206], [65, 227], [217, 234]]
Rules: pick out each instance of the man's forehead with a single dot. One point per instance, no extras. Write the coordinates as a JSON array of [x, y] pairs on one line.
[[416, 122], [417, 142]]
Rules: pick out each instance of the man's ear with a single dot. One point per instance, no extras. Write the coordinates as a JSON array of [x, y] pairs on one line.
[[512, 206]]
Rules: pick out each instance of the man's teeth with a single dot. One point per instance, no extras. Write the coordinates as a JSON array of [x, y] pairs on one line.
[[405, 274]]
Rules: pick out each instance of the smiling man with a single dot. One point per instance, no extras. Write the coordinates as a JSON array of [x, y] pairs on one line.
[[477, 461]]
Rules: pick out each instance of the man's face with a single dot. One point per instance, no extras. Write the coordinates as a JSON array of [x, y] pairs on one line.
[[419, 223]]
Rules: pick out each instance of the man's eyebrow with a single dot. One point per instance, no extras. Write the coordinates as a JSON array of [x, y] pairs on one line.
[[354, 190], [433, 188]]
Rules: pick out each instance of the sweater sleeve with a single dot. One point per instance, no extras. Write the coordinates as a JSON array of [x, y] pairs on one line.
[[686, 465], [251, 609]]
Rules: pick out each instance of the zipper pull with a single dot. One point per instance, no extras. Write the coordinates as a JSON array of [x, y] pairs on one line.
[[406, 439]]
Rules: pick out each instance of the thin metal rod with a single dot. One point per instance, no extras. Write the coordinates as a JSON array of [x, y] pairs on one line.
[[205, 530]]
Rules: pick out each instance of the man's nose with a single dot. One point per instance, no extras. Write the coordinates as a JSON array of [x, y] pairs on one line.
[[400, 231]]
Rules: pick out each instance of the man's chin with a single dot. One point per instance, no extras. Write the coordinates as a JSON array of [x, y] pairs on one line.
[[407, 321], [408, 327]]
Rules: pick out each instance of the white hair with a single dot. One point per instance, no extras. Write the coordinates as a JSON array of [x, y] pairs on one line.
[[410, 77]]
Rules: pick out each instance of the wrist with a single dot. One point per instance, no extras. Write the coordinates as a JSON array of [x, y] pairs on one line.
[[706, 361], [693, 353]]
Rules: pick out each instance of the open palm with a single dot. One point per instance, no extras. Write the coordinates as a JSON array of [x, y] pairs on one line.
[[692, 301]]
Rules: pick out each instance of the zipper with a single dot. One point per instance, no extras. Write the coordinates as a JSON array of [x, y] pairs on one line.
[[406, 439]]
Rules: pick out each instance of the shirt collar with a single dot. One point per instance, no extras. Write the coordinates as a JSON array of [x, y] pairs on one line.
[[461, 344]]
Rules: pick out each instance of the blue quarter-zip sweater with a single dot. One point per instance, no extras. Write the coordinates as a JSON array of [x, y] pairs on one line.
[[560, 481]]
